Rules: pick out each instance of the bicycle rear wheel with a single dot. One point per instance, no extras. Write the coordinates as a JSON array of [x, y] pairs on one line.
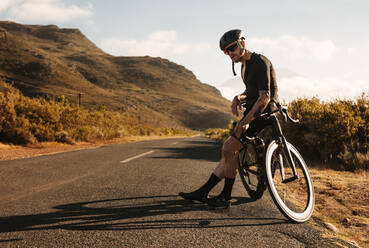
[[252, 175], [294, 198]]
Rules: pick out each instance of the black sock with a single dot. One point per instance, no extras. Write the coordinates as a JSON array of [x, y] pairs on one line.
[[213, 180], [227, 190]]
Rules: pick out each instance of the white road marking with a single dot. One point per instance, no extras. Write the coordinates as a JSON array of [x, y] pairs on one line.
[[138, 156]]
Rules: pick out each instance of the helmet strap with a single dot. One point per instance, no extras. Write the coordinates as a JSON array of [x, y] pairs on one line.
[[243, 52]]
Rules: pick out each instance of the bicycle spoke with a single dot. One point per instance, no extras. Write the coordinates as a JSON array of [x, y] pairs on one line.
[[251, 174], [254, 172], [281, 165], [294, 197]]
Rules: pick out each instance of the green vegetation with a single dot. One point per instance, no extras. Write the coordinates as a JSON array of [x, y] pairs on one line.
[[332, 131], [335, 132], [25, 120], [219, 133]]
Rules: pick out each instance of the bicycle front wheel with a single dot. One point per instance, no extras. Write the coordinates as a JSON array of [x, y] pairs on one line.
[[293, 197]]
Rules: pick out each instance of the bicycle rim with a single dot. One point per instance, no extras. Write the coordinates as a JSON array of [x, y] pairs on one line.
[[294, 199]]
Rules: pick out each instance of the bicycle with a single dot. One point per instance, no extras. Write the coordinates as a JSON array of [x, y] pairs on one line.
[[280, 168]]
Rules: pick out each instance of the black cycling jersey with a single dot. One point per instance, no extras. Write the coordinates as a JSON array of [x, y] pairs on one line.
[[259, 75]]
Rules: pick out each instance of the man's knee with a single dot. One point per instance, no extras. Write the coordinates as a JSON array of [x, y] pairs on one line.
[[226, 152], [230, 148]]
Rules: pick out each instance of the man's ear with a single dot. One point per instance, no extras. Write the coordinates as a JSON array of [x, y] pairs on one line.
[[243, 43]]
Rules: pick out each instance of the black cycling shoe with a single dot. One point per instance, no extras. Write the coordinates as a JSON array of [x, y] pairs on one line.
[[218, 202], [194, 196]]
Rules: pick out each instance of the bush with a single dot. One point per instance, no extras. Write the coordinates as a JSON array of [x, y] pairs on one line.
[[25, 120], [328, 130], [219, 133], [336, 131], [352, 159]]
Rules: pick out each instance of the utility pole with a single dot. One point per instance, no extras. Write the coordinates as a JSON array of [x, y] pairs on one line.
[[80, 99], [3, 39]]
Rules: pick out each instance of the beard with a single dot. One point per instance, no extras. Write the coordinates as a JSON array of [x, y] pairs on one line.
[[237, 58]]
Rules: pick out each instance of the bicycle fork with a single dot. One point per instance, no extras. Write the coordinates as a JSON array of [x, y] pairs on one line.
[[287, 155], [281, 140]]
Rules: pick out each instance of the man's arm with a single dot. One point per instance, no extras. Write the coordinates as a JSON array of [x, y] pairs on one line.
[[258, 108], [236, 103]]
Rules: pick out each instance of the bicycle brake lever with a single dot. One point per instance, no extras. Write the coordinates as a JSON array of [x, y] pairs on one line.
[[287, 116]]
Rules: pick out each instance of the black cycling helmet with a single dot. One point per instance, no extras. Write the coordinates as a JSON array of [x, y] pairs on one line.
[[229, 37]]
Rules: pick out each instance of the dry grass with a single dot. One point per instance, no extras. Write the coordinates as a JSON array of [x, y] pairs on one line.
[[342, 199], [25, 121]]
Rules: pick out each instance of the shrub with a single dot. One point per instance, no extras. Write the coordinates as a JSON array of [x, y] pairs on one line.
[[328, 130], [352, 159], [335, 131], [25, 120]]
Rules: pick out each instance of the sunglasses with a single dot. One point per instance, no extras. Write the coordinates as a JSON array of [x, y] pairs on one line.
[[231, 48]]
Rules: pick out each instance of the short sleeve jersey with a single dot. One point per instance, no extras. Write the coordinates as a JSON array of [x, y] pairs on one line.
[[259, 75]]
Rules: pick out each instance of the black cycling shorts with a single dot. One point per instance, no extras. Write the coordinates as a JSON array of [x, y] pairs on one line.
[[255, 127]]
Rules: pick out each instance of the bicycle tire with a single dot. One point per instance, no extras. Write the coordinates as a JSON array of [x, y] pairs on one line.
[[252, 177], [299, 207]]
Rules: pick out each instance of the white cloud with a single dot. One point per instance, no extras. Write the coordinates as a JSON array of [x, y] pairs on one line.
[[290, 88], [166, 35], [325, 89], [232, 87], [47, 10], [137, 48], [5, 4], [200, 47], [294, 48], [160, 43]]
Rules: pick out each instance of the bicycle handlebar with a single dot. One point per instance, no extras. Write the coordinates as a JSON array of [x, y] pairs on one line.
[[289, 117], [280, 109], [283, 111]]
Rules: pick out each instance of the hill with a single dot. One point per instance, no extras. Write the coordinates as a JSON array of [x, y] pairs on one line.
[[52, 61]]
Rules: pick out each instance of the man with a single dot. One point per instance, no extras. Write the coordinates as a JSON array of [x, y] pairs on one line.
[[259, 78]]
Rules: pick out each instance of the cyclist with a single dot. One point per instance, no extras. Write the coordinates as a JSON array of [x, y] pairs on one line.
[[259, 78]]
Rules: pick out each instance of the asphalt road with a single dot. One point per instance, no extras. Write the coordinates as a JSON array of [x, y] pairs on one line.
[[126, 196]]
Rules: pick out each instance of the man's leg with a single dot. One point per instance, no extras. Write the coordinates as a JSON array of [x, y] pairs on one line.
[[201, 194], [229, 166], [219, 173], [230, 163]]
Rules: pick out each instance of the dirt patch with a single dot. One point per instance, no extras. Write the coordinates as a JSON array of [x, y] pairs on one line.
[[342, 199]]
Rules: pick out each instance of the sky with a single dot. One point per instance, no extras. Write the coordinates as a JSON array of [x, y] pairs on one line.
[[318, 48]]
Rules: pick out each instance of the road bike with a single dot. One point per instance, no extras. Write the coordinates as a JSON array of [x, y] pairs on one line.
[[278, 167]]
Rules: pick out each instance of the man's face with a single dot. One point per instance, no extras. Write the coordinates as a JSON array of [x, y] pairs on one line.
[[234, 51]]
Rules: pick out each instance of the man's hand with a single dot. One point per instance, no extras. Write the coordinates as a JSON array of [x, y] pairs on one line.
[[236, 105]]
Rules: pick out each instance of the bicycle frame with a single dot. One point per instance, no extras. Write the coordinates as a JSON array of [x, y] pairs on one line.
[[273, 166], [281, 140]]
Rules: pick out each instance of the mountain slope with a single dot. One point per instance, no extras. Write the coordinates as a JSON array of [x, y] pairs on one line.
[[47, 60]]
